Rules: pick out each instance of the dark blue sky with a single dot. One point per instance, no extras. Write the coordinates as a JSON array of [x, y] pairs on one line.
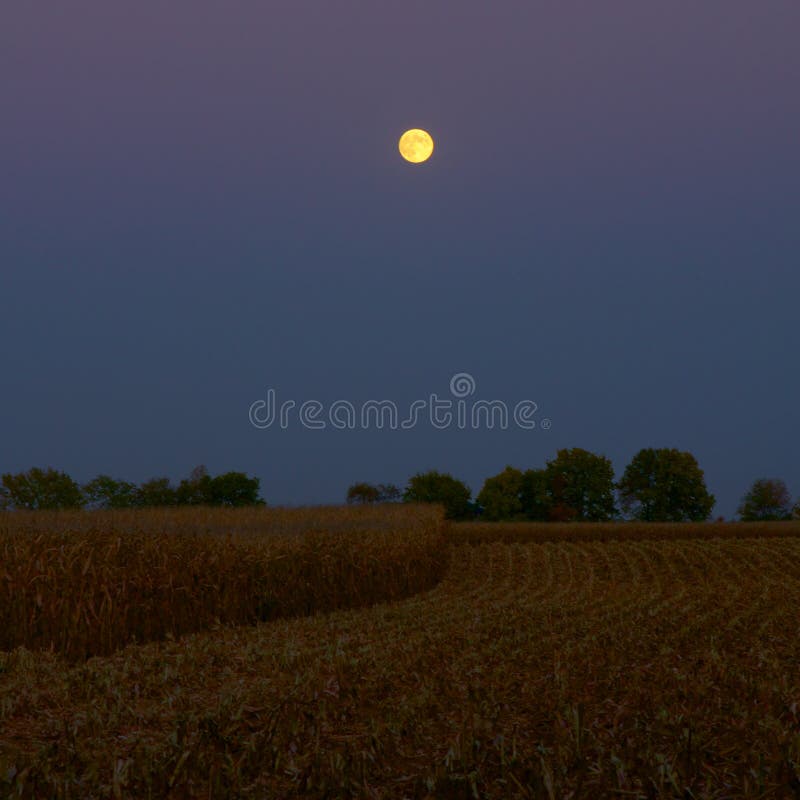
[[201, 201]]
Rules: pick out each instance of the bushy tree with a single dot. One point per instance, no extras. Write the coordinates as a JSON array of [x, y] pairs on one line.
[[439, 487], [362, 494], [366, 493], [558, 510], [196, 489], [235, 489], [665, 485], [106, 492], [581, 486], [767, 499], [229, 489], [40, 489], [501, 495], [536, 497], [156, 492]]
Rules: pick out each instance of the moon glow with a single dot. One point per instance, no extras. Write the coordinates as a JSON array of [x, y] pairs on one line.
[[416, 146]]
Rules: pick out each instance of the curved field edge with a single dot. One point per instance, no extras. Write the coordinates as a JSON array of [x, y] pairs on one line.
[[88, 584], [587, 669]]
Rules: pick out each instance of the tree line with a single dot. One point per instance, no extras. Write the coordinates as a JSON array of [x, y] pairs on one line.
[[658, 485], [50, 489]]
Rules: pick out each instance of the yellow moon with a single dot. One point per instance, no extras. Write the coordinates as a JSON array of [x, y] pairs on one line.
[[416, 146]]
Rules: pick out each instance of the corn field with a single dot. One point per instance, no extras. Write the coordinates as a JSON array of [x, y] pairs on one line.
[[86, 584], [555, 662]]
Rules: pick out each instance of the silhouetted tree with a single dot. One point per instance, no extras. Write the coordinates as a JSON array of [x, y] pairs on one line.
[[767, 499], [535, 495], [362, 494], [581, 486], [665, 485], [558, 509], [501, 495], [40, 489], [105, 492], [229, 489], [156, 492], [235, 489], [196, 489], [366, 493], [439, 487]]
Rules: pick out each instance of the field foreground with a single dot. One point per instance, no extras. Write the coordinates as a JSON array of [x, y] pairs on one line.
[[637, 668]]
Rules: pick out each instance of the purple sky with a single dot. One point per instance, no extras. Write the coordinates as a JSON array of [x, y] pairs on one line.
[[201, 201]]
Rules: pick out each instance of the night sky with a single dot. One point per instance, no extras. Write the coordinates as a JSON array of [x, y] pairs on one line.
[[202, 201]]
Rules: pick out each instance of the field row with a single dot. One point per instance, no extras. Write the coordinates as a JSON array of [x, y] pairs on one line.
[[481, 532], [585, 669]]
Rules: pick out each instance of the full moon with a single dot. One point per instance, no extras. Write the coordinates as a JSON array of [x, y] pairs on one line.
[[416, 146]]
